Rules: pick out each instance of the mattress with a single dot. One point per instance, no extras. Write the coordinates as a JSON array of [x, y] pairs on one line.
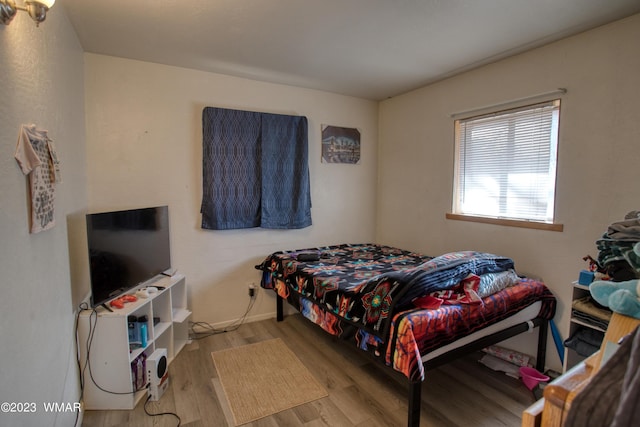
[[525, 315]]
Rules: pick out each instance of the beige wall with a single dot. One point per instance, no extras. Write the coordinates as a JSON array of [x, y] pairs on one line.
[[41, 82], [598, 158], [144, 147]]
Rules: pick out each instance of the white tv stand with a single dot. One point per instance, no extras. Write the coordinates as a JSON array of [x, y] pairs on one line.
[[109, 354]]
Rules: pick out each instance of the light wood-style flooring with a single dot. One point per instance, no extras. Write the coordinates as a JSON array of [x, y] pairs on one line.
[[361, 392]]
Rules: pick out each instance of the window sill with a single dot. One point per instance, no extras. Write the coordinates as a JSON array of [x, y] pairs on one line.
[[507, 222]]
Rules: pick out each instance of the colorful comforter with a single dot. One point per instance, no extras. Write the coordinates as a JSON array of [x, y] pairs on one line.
[[366, 292]]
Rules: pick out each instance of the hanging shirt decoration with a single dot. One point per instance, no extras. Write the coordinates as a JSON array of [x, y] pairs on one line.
[[36, 155]]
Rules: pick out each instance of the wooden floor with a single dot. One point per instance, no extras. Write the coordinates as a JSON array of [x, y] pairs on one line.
[[361, 392]]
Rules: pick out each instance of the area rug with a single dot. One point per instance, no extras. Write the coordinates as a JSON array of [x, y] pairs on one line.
[[263, 379]]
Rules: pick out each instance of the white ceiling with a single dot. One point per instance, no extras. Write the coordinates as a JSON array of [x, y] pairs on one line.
[[371, 49]]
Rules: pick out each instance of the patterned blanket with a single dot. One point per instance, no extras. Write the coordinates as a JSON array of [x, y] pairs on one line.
[[417, 332], [365, 284], [364, 292]]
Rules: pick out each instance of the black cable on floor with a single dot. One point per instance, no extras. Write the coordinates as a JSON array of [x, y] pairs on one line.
[[161, 413], [213, 331]]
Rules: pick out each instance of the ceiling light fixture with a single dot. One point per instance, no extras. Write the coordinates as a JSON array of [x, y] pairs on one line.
[[37, 10]]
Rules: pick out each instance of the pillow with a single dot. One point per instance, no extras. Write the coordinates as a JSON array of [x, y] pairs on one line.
[[308, 256], [491, 283]]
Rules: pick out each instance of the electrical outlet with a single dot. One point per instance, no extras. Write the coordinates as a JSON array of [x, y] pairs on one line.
[[252, 289]]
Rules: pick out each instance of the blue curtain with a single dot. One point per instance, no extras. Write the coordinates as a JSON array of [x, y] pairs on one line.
[[255, 170]]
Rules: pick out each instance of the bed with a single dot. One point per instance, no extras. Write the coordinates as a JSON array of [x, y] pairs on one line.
[[409, 311]]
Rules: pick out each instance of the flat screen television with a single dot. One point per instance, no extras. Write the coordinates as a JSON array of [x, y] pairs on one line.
[[126, 249]]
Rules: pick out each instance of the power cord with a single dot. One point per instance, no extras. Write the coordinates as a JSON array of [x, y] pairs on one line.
[[87, 363], [160, 413], [81, 308], [93, 323], [92, 330], [210, 330]]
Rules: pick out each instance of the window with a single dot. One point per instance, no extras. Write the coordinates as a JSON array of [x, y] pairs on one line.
[[505, 164]]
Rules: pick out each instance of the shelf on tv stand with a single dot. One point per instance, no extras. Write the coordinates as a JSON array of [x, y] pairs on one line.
[[110, 353]]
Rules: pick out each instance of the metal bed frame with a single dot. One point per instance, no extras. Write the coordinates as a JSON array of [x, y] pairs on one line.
[[415, 388]]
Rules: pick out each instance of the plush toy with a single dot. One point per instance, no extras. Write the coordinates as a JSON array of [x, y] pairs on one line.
[[621, 297]]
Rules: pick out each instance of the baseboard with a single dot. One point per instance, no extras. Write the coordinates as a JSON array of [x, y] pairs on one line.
[[248, 319]]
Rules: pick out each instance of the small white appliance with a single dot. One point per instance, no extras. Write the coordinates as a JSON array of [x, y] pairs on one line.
[[157, 373]]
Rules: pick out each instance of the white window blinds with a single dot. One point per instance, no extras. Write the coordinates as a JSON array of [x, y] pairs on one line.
[[506, 163]]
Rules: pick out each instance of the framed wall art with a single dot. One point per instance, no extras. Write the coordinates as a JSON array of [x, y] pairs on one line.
[[340, 145]]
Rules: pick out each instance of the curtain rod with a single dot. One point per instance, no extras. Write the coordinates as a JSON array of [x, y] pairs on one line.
[[558, 91]]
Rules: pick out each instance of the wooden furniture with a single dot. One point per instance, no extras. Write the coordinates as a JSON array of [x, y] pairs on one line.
[[571, 358], [552, 409], [103, 338]]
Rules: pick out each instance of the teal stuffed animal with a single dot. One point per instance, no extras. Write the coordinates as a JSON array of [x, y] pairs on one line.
[[621, 297]]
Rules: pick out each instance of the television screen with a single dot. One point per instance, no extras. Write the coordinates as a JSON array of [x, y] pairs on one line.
[[126, 248]]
